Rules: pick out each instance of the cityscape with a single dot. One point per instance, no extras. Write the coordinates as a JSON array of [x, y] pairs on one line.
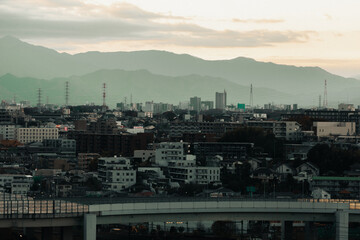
[[183, 120]]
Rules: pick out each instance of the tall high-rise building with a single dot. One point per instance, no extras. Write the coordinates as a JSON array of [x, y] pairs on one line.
[[220, 100], [195, 103]]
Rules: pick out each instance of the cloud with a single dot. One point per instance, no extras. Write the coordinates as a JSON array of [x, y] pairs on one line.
[[123, 21], [328, 17], [259, 21]]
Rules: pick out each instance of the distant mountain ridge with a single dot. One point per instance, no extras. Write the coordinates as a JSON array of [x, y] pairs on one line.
[[301, 83], [143, 85]]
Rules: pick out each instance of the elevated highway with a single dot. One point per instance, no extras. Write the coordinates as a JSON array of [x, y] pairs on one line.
[[92, 212]]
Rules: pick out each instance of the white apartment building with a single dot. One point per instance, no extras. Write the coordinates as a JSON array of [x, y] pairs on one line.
[[168, 151], [7, 131], [183, 170], [324, 129], [206, 175], [27, 135], [16, 183], [182, 166], [116, 173]]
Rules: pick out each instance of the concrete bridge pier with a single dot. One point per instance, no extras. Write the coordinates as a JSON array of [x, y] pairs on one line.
[[90, 226], [342, 225], [286, 230]]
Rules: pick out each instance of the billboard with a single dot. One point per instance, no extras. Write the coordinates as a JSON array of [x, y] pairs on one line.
[[241, 106]]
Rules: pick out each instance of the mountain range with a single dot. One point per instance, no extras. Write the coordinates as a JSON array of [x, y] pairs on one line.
[[160, 76]]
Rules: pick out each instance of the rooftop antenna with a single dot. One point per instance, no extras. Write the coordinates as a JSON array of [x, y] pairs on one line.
[[325, 103], [251, 96], [66, 93]]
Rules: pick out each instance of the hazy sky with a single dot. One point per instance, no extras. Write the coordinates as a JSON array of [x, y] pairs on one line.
[[325, 33]]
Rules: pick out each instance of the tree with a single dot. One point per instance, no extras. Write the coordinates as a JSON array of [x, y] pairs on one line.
[[331, 158], [93, 165], [224, 228], [93, 184], [262, 139], [190, 189]]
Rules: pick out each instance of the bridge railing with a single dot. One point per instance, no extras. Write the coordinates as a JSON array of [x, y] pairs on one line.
[[29, 208], [70, 207]]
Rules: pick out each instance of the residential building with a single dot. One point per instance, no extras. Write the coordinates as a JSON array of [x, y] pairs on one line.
[[181, 166], [319, 193], [298, 150], [346, 107], [177, 129], [116, 173], [308, 167], [85, 159], [62, 145], [288, 130], [236, 151], [144, 155], [326, 129], [15, 183], [7, 131], [169, 151], [112, 144], [27, 135], [63, 189]]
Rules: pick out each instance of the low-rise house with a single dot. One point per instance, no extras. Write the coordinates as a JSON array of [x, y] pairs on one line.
[[254, 163], [319, 193], [263, 173], [63, 189], [308, 167], [284, 169]]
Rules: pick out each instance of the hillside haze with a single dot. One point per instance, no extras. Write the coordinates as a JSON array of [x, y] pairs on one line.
[[165, 71]]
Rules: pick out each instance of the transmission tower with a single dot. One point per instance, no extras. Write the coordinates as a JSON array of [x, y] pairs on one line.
[[251, 96], [39, 97], [325, 103], [104, 94], [66, 93]]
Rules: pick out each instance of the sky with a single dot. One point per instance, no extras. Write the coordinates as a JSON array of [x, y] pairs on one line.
[[323, 33]]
